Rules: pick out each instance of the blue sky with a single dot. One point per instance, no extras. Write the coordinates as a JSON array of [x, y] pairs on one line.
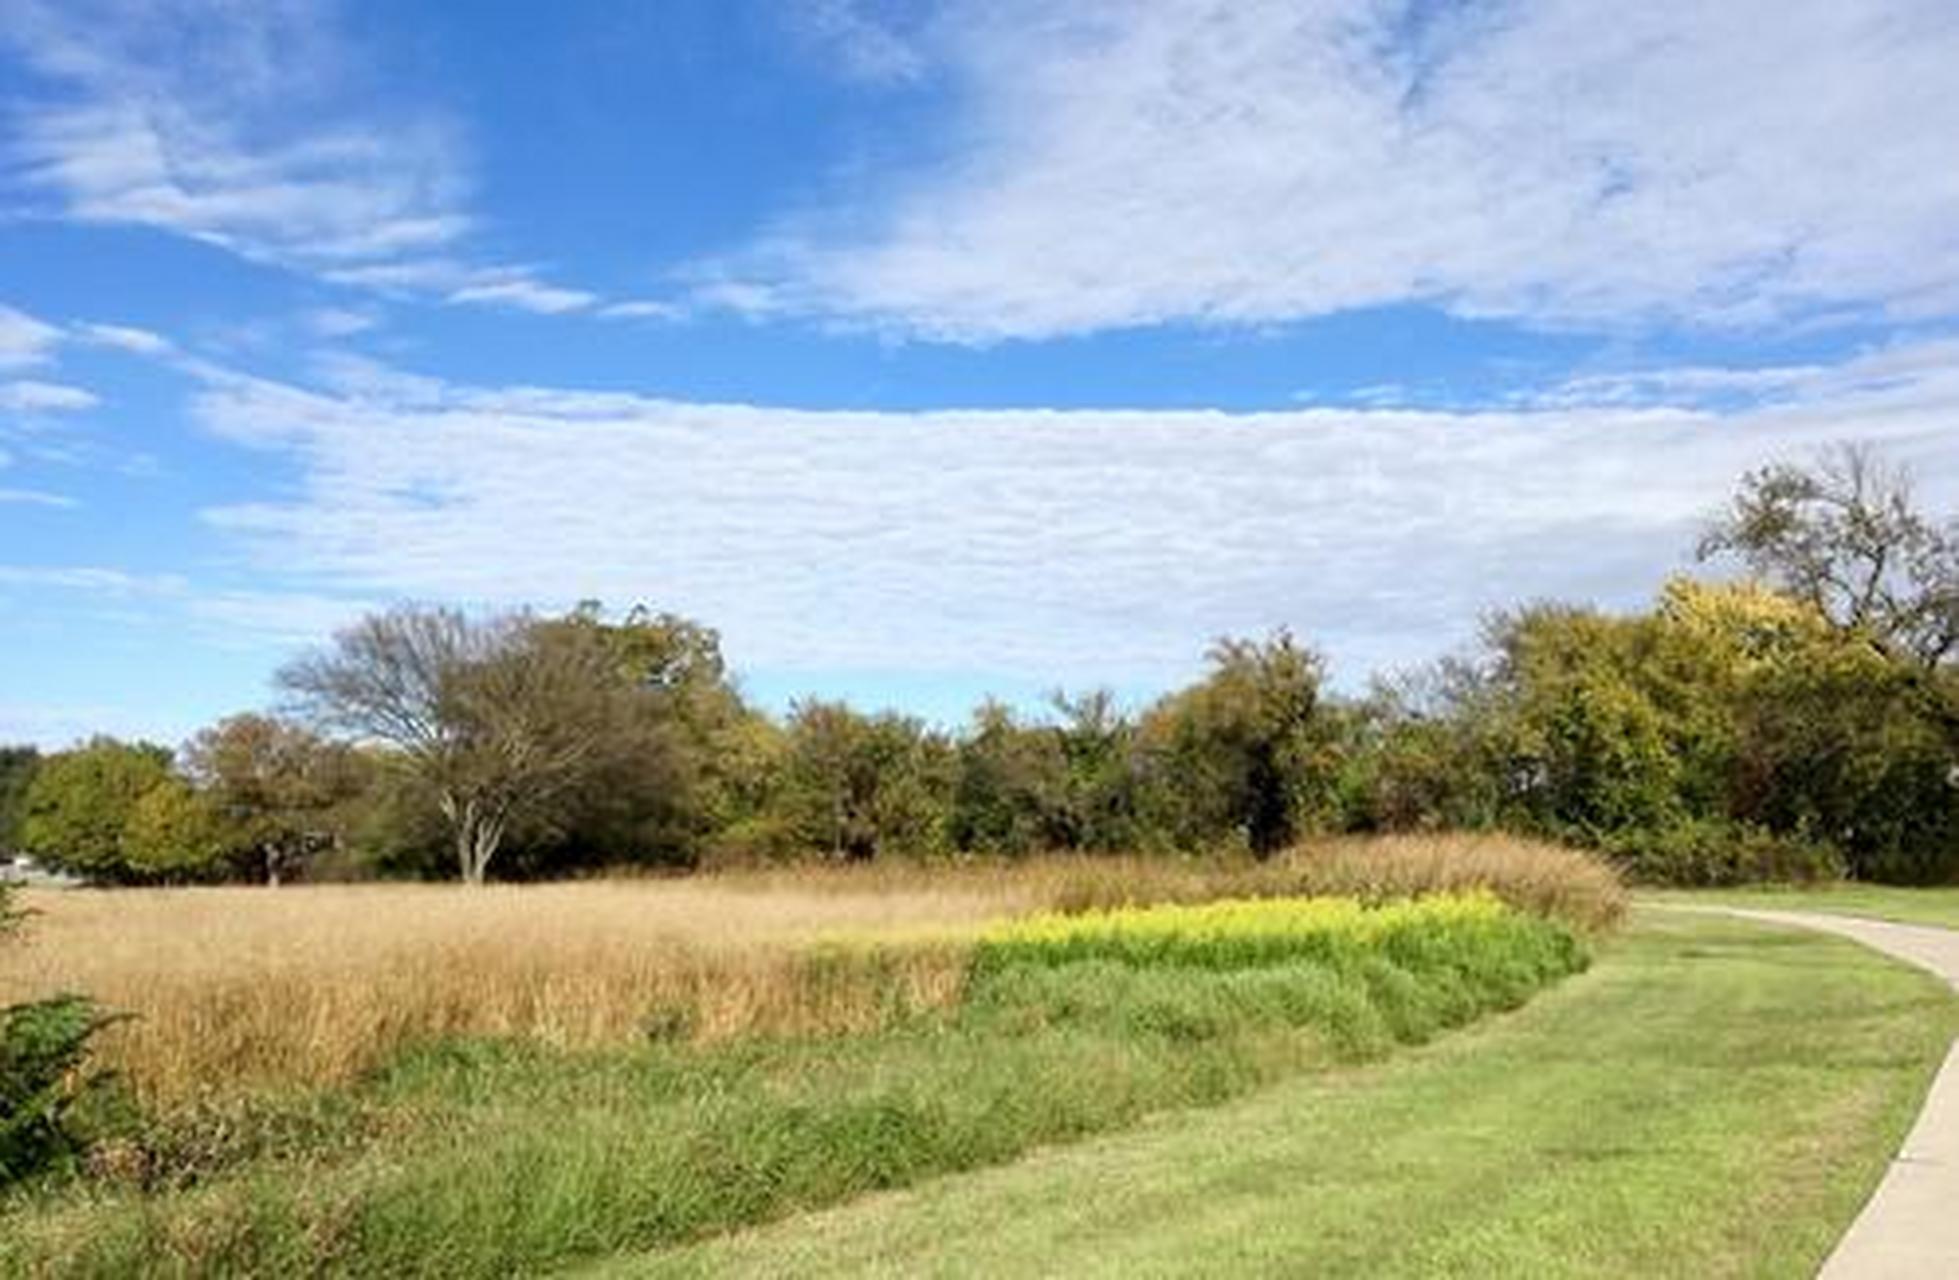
[[929, 348]]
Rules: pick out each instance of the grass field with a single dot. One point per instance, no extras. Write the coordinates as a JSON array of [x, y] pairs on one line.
[[237, 988], [1712, 1099], [497, 1156], [1879, 902], [1105, 1067]]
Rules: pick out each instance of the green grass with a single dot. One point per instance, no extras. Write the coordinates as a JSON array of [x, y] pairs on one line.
[[492, 1159], [1714, 1098], [1879, 902]]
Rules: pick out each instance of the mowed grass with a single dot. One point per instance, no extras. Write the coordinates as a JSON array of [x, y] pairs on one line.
[[1938, 907], [1714, 1098], [491, 1158]]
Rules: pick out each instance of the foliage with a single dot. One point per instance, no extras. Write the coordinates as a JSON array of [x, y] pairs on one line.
[[282, 793], [76, 812], [44, 1088], [1243, 754], [1243, 933], [852, 786], [1844, 537], [1711, 852], [17, 768], [176, 833]]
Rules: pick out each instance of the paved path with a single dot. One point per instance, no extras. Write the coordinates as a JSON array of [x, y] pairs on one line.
[[1910, 1227]]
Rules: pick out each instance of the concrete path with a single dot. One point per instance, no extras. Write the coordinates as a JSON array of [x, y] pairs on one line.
[[1910, 1227]]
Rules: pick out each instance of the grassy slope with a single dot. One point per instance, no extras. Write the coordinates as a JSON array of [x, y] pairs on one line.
[[497, 1159], [1881, 902], [1714, 1098]]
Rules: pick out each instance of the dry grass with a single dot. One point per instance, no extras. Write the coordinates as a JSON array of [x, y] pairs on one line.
[[244, 987], [1577, 888], [249, 986]]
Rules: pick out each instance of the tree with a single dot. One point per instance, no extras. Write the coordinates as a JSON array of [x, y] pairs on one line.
[[76, 811], [17, 766], [500, 718], [856, 786], [1245, 752], [175, 832], [282, 790], [1844, 536]]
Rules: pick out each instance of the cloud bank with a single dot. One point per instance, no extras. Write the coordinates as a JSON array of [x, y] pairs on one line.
[[1254, 161], [1040, 545]]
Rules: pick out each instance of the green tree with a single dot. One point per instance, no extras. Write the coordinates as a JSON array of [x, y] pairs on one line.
[[17, 767], [857, 786], [177, 833], [1245, 753], [76, 812]]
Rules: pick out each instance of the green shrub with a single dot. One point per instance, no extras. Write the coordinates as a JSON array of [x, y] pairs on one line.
[[1711, 852], [44, 1084]]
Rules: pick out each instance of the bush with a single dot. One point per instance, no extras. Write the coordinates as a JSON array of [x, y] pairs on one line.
[[44, 1085], [1711, 852]]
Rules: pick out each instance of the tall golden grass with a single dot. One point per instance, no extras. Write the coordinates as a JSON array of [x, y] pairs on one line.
[[236, 988]]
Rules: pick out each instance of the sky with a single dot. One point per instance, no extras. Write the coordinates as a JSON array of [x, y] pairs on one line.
[[929, 349]]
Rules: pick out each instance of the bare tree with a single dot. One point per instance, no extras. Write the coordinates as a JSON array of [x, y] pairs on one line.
[[1845, 536], [499, 717]]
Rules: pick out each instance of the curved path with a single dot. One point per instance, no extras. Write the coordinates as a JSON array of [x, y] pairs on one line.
[[1910, 1227]]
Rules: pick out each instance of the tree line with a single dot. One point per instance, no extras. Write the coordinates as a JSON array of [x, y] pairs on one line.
[[1799, 721]]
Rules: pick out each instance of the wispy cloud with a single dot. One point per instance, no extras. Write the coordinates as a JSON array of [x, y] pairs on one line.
[[246, 126], [1062, 545], [227, 123], [526, 295], [860, 42], [24, 340], [36, 498], [1228, 162], [122, 337], [31, 396]]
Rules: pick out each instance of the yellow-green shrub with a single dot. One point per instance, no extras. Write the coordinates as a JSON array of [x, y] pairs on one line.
[[1460, 931]]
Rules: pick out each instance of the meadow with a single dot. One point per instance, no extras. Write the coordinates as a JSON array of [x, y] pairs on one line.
[[236, 988], [408, 1080], [1098, 1065]]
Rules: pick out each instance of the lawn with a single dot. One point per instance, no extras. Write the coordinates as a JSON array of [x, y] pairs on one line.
[[1713, 1098], [1879, 902]]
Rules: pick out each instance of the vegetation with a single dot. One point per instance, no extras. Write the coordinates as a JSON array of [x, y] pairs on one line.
[[1799, 725], [17, 768], [44, 1077], [235, 989], [482, 1158], [1713, 1098]]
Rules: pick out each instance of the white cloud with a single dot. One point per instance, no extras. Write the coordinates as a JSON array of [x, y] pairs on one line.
[[863, 46], [643, 309], [251, 127], [525, 295], [227, 123], [35, 497], [24, 340], [122, 337], [1040, 545], [339, 322], [1248, 161], [30, 396]]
